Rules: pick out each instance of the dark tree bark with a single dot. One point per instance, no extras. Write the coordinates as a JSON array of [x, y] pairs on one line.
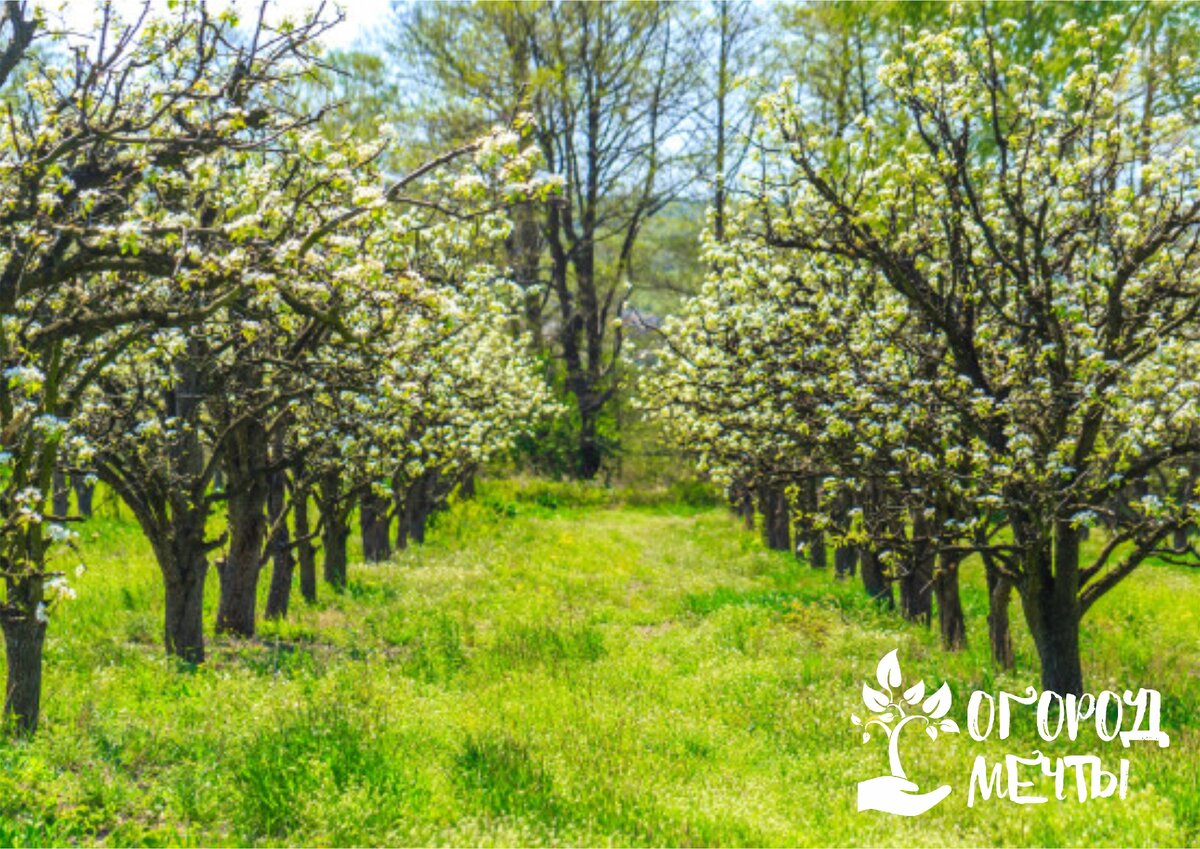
[[916, 581], [335, 531], [279, 594], [466, 487], [875, 582], [950, 613], [747, 510], [246, 461], [813, 539], [84, 494], [777, 517], [24, 637], [999, 595], [426, 495], [373, 518], [306, 555], [1181, 535], [184, 566], [1179, 538], [845, 561], [1050, 602], [61, 497], [1056, 635], [845, 557], [416, 511]]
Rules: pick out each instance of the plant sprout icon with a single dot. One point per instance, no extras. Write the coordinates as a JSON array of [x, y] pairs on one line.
[[894, 793]]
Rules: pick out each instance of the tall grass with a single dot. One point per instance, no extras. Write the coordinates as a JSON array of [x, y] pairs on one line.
[[559, 664]]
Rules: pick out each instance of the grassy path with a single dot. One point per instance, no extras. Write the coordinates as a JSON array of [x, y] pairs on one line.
[[543, 672]]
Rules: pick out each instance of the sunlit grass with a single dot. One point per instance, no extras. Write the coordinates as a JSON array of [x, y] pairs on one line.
[[557, 666]]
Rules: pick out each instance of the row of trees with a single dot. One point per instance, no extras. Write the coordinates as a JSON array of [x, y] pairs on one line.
[[965, 320], [213, 297]]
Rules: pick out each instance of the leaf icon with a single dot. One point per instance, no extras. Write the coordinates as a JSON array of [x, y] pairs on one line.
[[937, 705], [855, 719], [888, 671], [931, 731], [866, 736], [874, 700], [948, 725], [914, 693]]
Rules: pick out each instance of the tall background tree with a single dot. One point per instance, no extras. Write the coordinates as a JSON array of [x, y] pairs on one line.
[[612, 90]]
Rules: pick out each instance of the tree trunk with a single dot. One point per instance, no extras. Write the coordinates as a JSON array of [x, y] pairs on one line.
[[777, 518], [184, 566], [24, 638], [84, 494], [845, 561], [1050, 602], [1051, 605], [916, 583], [814, 540], [845, 557], [61, 496], [1056, 636], [814, 546], [418, 504], [415, 513], [400, 509], [950, 613], [335, 530], [590, 456], [466, 487], [246, 501], [999, 635], [306, 554], [876, 584], [747, 510], [373, 518], [279, 594]]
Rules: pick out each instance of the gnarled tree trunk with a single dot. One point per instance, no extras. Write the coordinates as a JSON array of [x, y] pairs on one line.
[[246, 464], [279, 594], [61, 498], [813, 541], [999, 635], [84, 494], [24, 638], [306, 554], [777, 517], [845, 561], [1049, 599], [183, 561], [950, 613], [335, 530], [916, 580], [373, 518], [875, 582]]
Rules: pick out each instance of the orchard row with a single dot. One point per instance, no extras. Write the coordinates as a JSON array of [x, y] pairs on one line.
[[964, 328], [214, 304]]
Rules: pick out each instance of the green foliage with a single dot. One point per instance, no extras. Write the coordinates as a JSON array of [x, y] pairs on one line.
[[575, 670]]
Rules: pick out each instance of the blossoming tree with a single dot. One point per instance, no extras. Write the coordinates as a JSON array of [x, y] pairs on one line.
[[1041, 230]]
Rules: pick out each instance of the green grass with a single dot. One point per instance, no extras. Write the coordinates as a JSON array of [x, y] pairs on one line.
[[560, 666]]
